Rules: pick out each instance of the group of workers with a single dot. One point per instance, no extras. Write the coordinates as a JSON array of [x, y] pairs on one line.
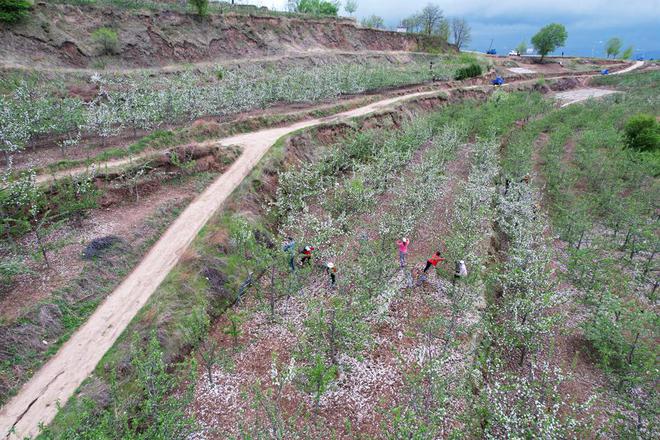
[[402, 244]]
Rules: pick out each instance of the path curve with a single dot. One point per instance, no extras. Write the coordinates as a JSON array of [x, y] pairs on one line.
[[58, 379], [180, 67], [635, 66]]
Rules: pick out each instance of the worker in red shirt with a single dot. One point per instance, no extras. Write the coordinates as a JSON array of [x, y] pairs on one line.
[[307, 255], [433, 261]]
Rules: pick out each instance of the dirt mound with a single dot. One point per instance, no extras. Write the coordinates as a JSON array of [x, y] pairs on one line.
[[60, 35], [563, 84], [99, 245]]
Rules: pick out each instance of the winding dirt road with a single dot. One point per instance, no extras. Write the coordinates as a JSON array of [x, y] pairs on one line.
[[570, 97], [58, 379]]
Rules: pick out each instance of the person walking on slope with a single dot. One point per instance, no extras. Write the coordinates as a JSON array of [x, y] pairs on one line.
[[433, 261], [460, 272], [332, 271], [290, 248], [307, 255], [403, 250]]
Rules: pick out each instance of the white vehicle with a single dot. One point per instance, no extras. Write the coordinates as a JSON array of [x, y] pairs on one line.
[[514, 53]]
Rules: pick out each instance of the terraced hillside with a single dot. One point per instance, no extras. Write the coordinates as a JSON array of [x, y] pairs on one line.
[[146, 201]]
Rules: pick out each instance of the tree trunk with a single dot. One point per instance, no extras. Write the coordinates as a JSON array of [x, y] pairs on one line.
[[523, 352], [625, 242], [632, 349], [272, 292], [41, 246], [209, 372], [332, 338], [649, 261], [579, 245], [632, 248]]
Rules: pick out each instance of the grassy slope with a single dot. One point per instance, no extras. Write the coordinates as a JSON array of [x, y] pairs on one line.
[[594, 185]]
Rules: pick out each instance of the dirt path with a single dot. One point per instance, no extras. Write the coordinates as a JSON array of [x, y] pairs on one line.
[[574, 96], [635, 66], [178, 67], [57, 380], [578, 95]]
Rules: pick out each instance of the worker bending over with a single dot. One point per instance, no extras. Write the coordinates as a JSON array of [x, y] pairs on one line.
[[433, 261], [307, 255]]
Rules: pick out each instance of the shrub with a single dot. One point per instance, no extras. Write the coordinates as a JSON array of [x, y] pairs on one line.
[[643, 133], [107, 39], [201, 6], [9, 269], [12, 11], [316, 7], [470, 71]]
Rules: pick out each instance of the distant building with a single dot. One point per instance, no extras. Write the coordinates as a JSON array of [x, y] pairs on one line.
[[401, 30]]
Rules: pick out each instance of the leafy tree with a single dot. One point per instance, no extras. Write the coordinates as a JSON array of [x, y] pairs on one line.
[[351, 6], [628, 53], [549, 38], [107, 39], [613, 47], [315, 7], [461, 32], [319, 375], [643, 133], [412, 23], [522, 47], [233, 329], [431, 19], [201, 6], [374, 22], [12, 11]]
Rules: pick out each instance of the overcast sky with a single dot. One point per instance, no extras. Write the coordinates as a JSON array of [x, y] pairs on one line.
[[507, 22]]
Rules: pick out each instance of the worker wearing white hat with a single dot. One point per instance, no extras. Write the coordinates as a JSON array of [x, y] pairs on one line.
[[332, 271], [403, 250], [461, 271]]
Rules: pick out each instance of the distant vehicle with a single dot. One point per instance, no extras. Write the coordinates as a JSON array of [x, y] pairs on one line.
[[498, 81], [514, 53], [491, 52], [640, 58], [605, 72]]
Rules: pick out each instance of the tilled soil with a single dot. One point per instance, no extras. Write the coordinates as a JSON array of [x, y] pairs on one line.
[[367, 388]]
